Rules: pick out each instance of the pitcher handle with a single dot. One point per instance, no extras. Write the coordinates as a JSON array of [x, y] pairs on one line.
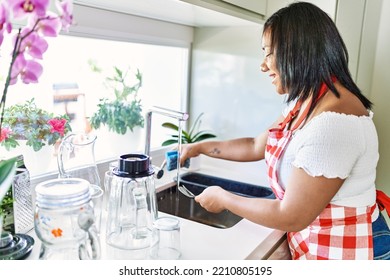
[[60, 157], [86, 222], [95, 247], [95, 244]]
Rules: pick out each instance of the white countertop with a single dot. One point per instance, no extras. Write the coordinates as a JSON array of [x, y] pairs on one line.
[[202, 242]]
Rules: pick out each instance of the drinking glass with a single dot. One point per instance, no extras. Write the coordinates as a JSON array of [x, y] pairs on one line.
[[166, 239]]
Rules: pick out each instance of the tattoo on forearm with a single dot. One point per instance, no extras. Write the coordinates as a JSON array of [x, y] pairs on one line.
[[215, 151]]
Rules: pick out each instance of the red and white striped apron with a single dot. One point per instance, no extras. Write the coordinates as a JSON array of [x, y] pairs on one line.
[[338, 232]]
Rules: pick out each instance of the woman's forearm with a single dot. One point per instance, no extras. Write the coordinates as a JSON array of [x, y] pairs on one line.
[[242, 149], [266, 212]]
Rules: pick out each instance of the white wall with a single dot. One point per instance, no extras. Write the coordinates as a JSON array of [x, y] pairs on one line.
[[380, 95]]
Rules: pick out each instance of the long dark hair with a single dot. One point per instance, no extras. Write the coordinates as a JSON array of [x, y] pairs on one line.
[[309, 51]]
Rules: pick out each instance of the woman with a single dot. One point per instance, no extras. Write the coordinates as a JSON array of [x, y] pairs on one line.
[[321, 153]]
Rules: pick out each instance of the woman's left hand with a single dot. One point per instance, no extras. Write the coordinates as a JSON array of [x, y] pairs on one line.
[[212, 199]]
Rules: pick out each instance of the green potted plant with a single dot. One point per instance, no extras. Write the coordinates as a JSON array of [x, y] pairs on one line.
[[32, 125], [34, 133], [194, 134], [123, 111]]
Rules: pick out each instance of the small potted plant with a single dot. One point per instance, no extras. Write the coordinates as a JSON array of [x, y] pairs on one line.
[[194, 134], [122, 112], [32, 130], [119, 118], [37, 127]]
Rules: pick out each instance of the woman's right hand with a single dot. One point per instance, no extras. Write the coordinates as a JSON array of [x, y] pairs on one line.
[[189, 151]]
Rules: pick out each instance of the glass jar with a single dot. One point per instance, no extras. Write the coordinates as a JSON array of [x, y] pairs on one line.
[[64, 220]]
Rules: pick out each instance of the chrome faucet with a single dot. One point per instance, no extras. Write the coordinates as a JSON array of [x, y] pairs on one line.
[[180, 116]]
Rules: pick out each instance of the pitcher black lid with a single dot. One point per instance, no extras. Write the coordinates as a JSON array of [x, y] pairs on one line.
[[133, 166]]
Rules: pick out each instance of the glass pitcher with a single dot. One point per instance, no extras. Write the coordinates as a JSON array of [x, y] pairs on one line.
[[76, 158]]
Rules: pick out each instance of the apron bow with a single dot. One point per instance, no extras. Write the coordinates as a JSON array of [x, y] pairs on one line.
[[383, 201]]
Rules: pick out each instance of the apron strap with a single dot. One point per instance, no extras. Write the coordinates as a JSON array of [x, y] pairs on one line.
[[291, 115], [304, 114], [294, 112], [383, 201]]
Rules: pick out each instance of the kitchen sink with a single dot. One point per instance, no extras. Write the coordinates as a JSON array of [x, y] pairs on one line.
[[173, 202]]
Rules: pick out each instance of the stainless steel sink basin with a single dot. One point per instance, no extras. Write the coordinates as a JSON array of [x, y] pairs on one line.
[[173, 202]]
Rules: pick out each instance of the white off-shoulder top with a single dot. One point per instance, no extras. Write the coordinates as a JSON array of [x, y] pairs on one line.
[[337, 145]]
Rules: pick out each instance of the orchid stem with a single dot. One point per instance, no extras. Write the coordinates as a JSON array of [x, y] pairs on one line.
[[8, 80]]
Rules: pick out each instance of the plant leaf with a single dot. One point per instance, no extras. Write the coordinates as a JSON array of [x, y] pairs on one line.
[[169, 142], [170, 126], [7, 172], [195, 124], [185, 137], [202, 136]]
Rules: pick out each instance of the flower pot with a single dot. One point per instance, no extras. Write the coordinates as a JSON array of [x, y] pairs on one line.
[[36, 162]]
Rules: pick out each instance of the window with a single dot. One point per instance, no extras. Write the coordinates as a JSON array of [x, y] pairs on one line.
[[164, 71]]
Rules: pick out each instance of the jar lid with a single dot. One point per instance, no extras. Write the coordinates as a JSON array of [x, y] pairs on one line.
[[64, 192], [133, 166]]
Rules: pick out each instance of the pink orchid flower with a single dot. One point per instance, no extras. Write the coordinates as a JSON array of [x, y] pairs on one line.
[[28, 70], [31, 72], [66, 11], [5, 133], [34, 44], [22, 8], [49, 26], [17, 68], [57, 125]]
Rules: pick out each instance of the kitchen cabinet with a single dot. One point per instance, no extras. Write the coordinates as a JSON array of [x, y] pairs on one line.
[[250, 10], [258, 6], [273, 247], [281, 252], [358, 22], [189, 13], [329, 6]]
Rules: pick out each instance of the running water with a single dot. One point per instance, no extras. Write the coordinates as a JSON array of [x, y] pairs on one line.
[[180, 132]]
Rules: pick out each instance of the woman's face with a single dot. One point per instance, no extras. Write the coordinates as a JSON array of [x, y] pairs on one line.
[[269, 63]]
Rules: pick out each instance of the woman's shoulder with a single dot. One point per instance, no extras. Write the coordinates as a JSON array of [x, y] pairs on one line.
[[346, 103], [331, 116], [342, 117], [336, 121]]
